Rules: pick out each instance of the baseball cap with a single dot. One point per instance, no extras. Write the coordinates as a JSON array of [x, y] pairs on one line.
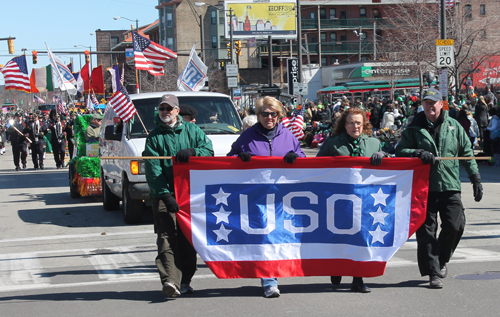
[[187, 110], [170, 100], [433, 94]]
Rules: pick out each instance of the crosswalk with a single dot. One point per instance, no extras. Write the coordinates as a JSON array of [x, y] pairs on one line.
[[135, 263]]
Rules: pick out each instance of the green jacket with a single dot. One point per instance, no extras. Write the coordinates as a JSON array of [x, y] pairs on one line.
[[167, 141], [453, 142], [341, 146]]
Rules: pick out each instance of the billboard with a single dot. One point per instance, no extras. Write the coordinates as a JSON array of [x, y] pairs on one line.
[[261, 19], [487, 73]]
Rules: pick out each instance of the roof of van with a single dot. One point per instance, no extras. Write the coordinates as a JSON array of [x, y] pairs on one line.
[[177, 93]]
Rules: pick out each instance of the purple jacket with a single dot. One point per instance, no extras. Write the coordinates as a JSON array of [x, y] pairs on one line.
[[253, 141]]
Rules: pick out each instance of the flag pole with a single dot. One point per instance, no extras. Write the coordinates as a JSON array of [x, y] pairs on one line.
[[139, 116], [135, 64], [59, 74]]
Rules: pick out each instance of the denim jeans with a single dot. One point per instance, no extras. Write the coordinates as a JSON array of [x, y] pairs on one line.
[[267, 283]]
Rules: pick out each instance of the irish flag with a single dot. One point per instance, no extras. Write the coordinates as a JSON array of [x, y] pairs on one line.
[[41, 79]]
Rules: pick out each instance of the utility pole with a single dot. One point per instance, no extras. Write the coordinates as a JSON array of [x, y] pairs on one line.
[[299, 40]]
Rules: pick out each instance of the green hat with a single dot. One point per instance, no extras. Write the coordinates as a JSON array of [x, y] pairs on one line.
[[96, 116]]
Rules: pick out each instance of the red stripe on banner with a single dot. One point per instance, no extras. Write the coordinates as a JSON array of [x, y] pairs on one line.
[[289, 268]]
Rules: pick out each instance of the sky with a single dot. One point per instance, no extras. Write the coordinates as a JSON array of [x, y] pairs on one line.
[[64, 24]]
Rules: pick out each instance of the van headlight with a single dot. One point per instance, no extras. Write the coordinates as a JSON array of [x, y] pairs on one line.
[[137, 167]]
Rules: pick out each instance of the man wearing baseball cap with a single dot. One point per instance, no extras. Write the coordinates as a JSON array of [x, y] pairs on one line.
[[433, 133], [176, 260]]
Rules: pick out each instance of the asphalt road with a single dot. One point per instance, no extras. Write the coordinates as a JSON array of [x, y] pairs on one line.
[[65, 257]]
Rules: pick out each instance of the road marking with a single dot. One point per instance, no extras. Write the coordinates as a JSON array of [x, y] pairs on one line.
[[76, 236]]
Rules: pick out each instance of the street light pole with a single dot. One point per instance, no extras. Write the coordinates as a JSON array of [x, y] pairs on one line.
[[231, 32], [359, 45], [202, 38]]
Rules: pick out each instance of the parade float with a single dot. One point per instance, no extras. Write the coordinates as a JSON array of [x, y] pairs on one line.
[[84, 176]]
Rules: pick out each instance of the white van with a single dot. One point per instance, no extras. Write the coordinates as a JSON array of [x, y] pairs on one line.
[[125, 179]]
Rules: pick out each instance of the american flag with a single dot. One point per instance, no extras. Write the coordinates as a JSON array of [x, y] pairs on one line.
[[94, 100], [38, 99], [449, 4], [15, 73], [295, 123], [150, 56], [122, 105], [60, 106]]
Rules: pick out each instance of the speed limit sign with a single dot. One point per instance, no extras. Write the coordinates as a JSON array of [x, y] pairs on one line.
[[445, 53]]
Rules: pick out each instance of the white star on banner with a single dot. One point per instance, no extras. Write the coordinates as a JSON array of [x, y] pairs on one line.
[[221, 197], [222, 233], [222, 215], [378, 235], [379, 216], [380, 197]]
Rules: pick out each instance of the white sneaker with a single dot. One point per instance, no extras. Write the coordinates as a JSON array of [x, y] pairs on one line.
[[271, 292], [170, 290]]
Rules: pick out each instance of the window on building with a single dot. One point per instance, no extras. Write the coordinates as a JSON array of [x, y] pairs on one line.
[[169, 20], [375, 13], [333, 14], [170, 43], [333, 37], [483, 34], [322, 13], [213, 17], [343, 15], [323, 37], [323, 61], [312, 15], [468, 11], [482, 9], [214, 41], [114, 40], [362, 13]]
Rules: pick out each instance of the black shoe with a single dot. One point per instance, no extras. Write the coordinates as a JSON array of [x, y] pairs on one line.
[[435, 281], [336, 280], [443, 272], [18, 168], [359, 287], [41, 167], [36, 168], [24, 166]]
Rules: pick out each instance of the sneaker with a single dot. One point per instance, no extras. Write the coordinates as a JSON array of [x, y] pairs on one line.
[[24, 166], [435, 282], [336, 280], [170, 290], [41, 167], [271, 292], [186, 289], [443, 272], [18, 168]]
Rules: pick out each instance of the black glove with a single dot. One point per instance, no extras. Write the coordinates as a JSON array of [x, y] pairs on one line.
[[170, 203], [244, 156], [475, 179], [183, 155], [290, 157], [377, 158], [426, 156]]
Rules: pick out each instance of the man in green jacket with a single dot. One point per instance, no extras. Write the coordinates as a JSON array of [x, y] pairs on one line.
[[176, 260], [433, 133]]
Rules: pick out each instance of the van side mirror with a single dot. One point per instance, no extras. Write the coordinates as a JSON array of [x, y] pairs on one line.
[[110, 134]]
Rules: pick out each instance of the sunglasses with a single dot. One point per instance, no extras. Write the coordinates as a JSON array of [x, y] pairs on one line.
[[267, 114], [165, 109]]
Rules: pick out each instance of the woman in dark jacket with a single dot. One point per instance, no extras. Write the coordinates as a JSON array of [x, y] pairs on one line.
[[267, 138], [352, 136], [481, 116]]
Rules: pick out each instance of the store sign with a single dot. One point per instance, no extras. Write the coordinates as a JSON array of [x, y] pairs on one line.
[[293, 73]]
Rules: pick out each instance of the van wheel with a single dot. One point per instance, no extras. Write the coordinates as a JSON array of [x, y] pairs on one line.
[[73, 188], [132, 209], [109, 200]]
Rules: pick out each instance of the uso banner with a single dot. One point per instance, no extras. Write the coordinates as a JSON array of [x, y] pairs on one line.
[[322, 216]]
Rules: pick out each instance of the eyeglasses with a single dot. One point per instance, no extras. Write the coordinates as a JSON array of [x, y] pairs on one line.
[[166, 109], [267, 114], [351, 124]]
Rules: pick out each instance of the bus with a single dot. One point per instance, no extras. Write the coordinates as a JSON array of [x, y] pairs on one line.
[[365, 90]]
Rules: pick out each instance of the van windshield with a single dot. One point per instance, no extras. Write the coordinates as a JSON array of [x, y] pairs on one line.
[[216, 115]]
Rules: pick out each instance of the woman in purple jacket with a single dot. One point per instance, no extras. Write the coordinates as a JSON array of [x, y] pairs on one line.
[[267, 138]]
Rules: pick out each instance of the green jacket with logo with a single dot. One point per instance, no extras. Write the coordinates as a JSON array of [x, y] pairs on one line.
[[453, 142], [340, 145], [167, 141]]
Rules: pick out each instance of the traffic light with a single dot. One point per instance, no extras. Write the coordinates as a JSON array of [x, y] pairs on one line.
[[87, 56], [10, 42], [35, 57], [222, 64], [228, 50], [237, 46]]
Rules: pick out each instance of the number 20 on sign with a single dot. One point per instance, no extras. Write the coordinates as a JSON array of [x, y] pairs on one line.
[[445, 53]]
